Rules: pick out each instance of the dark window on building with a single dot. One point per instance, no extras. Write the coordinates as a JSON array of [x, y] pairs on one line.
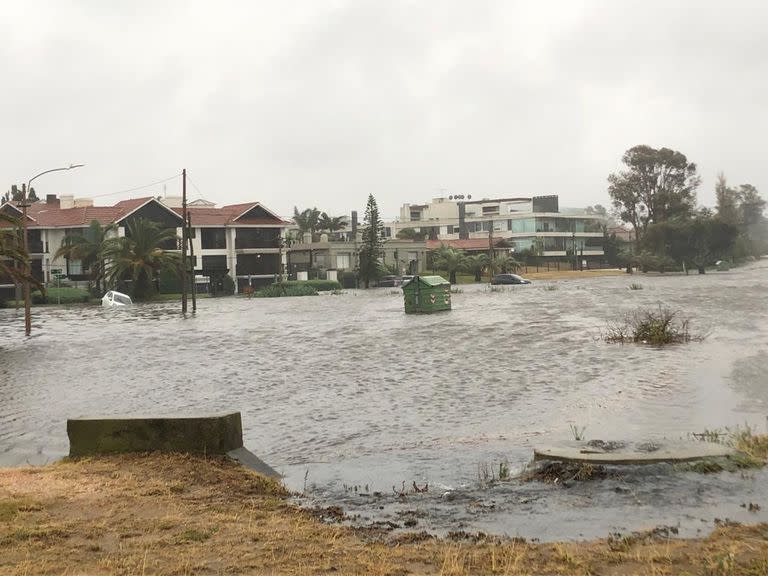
[[257, 238], [487, 226], [215, 263], [415, 215], [257, 264], [213, 238], [490, 209]]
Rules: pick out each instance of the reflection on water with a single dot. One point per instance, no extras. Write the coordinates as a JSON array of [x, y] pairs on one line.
[[353, 391]]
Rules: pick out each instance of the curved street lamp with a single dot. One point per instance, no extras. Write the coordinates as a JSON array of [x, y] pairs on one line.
[[24, 205]]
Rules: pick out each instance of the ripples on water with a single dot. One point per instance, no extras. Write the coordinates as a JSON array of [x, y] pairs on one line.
[[356, 392]]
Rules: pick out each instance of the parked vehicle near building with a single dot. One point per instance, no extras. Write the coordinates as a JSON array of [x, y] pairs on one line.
[[508, 279], [388, 282]]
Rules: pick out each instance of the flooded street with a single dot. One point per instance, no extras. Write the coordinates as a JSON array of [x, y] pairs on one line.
[[349, 397]]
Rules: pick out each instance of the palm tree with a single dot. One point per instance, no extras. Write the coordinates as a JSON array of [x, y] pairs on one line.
[[139, 256], [89, 248], [331, 223], [307, 220], [476, 264], [13, 256], [450, 260], [503, 262]]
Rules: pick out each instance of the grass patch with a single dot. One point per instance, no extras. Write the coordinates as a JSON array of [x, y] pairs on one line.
[[281, 290], [656, 327], [195, 535], [64, 295]]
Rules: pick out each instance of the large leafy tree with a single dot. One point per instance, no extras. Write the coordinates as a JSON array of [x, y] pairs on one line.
[[450, 260], [139, 256], [307, 220], [727, 201], [657, 185], [89, 247], [410, 234], [692, 242], [373, 241]]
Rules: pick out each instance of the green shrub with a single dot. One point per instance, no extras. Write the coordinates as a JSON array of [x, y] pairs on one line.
[[280, 290], [319, 285], [63, 295], [227, 284], [655, 327]]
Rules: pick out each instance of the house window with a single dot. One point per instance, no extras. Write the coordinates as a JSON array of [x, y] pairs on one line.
[[343, 261], [415, 215], [213, 238], [214, 262], [490, 210], [74, 267]]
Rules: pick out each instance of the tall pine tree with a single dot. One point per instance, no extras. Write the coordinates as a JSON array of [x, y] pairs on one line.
[[373, 240]]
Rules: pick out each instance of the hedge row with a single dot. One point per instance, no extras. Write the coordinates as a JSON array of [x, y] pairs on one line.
[[280, 290], [65, 295], [319, 285]]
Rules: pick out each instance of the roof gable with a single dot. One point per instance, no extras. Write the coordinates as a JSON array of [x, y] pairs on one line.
[[151, 205]]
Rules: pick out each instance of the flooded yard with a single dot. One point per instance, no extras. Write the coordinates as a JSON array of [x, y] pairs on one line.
[[354, 401]]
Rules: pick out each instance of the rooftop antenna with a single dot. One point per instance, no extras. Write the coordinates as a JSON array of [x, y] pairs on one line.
[[164, 189]]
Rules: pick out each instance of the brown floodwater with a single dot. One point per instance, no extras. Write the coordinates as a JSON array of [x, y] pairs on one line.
[[350, 398]]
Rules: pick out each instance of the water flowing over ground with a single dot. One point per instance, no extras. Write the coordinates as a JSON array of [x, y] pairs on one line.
[[349, 397]]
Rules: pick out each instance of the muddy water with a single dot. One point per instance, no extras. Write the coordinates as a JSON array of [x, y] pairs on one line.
[[339, 392]]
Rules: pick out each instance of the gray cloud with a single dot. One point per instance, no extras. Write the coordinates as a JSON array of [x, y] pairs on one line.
[[321, 102]]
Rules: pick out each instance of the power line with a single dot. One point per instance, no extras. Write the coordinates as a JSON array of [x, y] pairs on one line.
[[138, 187]]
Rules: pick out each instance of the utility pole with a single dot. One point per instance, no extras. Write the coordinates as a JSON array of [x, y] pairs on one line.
[[27, 263], [490, 251], [184, 235], [192, 262]]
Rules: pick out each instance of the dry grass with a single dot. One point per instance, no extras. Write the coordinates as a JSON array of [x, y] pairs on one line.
[[176, 514]]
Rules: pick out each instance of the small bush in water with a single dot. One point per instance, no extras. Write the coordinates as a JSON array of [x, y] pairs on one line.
[[280, 290], [656, 327], [635, 286]]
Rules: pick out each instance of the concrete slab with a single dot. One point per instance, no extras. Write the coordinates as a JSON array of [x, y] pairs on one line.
[[250, 460], [207, 434], [628, 453]]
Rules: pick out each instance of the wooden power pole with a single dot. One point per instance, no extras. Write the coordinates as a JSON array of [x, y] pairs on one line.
[[184, 235], [192, 261]]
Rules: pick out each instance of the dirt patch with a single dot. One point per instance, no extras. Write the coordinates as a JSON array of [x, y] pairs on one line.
[[174, 514]]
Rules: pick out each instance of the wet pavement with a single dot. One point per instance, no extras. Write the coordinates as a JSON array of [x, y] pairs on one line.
[[354, 401]]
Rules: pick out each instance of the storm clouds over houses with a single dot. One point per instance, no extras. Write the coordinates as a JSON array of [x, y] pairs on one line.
[[321, 102]]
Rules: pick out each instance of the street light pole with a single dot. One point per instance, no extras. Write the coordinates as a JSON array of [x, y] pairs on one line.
[[28, 271]]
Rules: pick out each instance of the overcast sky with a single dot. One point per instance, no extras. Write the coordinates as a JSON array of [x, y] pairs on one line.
[[318, 103]]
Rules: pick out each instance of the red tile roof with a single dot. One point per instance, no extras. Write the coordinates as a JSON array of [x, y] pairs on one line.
[[43, 215]]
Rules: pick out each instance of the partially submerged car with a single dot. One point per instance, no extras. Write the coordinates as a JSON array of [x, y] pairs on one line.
[[114, 299], [508, 279]]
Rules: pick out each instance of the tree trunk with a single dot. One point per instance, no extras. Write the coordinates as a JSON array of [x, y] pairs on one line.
[[452, 277], [701, 269], [477, 276]]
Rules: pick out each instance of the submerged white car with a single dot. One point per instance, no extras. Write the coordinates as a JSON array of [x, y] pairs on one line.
[[115, 299]]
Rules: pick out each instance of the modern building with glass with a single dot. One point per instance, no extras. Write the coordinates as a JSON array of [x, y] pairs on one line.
[[527, 224]]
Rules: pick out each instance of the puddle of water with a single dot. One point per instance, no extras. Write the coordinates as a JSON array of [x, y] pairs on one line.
[[348, 390]]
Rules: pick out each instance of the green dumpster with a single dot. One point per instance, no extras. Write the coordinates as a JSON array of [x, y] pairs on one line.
[[427, 294]]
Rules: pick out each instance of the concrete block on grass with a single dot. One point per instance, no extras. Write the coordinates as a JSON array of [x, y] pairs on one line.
[[213, 434]]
